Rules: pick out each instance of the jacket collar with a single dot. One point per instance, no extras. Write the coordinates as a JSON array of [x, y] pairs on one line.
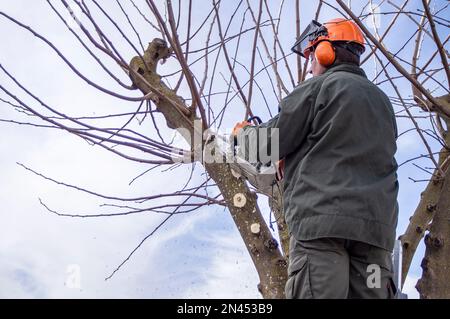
[[346, 67]]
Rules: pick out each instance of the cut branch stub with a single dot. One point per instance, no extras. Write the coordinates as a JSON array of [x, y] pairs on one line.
[[239, 200], [144, 76], [255, 228]]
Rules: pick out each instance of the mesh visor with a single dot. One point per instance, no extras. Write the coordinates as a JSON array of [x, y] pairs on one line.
[[312, 31]]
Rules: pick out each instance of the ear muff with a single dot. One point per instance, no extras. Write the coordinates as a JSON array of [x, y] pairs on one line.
[[324, 53]]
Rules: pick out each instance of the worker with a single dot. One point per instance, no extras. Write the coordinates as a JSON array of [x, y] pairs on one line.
[[337, 136]]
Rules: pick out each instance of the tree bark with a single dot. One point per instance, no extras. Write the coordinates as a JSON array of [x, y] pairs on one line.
[[433, 194], [435, 281], [241, 202], [419, 221]]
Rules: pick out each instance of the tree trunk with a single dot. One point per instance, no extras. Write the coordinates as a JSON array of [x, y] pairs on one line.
[[434, 194], [276, 204], [419, 221], [263, 248], [241, 202], [435, 281]]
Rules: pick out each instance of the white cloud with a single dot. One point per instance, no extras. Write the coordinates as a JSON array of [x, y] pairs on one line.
[[231, 273], [36, 247], [409, 287]]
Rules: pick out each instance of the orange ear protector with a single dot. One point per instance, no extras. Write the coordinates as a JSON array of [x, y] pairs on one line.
[[324, 53]]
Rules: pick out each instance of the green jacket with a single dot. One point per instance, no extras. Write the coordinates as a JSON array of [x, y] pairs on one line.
[[337, 134]]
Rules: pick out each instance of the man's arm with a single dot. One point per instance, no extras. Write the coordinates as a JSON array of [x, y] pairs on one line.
[[283, 133]]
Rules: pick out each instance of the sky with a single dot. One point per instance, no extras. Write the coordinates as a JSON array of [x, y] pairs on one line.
[[195, 255]]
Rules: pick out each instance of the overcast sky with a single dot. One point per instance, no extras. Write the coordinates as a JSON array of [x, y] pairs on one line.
[[197, 255]]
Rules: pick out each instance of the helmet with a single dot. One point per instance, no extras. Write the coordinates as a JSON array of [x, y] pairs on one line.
[[319, 38]]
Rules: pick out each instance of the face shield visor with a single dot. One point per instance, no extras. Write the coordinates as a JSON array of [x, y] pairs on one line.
[[307, 38]]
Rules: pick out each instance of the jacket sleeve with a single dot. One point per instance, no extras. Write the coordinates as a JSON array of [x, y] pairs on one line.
[[285, 132]]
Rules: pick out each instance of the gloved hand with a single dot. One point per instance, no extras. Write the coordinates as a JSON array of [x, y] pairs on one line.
[[239, 126]]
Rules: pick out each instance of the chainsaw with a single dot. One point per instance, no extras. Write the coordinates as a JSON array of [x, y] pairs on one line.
[[263, 177]]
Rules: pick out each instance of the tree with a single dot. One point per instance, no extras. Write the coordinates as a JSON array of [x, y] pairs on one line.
[[217, 54]]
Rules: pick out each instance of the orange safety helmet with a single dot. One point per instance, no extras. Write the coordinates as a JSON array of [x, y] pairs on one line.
[[320, 37]]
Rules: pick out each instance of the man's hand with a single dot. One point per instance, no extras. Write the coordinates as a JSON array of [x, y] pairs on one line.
[[239, 126]]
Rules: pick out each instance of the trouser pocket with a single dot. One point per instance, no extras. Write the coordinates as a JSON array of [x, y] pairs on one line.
[[298, 285]]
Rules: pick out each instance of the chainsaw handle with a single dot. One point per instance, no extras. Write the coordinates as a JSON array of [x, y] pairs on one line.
[[256, 118], [249, 120]]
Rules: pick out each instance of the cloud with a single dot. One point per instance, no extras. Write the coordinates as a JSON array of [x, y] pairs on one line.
[[42, 268], [37, 248], [16, 281], [231, 273], [409, 287]]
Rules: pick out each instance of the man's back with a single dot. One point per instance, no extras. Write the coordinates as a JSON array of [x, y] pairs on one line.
[[337, 136], [342, 178]]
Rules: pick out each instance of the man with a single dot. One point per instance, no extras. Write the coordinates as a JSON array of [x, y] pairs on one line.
[[337, 136]]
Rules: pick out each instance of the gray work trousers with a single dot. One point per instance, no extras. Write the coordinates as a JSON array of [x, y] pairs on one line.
[[333, 268]]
